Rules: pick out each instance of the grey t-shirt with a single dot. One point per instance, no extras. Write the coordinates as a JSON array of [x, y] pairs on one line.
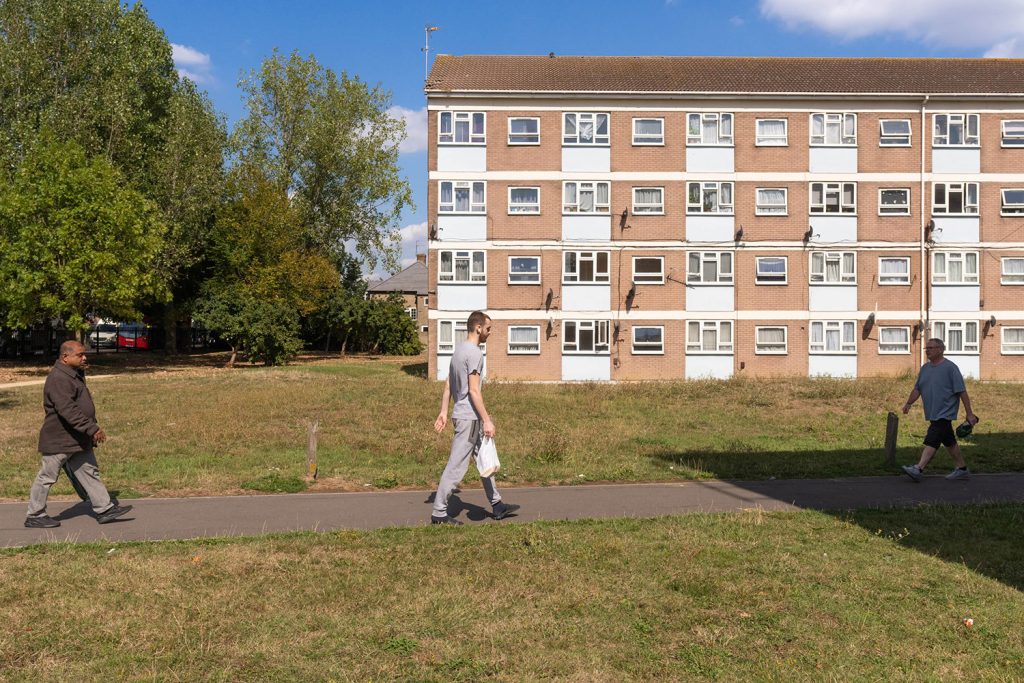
[[940, 386], [467, 359]]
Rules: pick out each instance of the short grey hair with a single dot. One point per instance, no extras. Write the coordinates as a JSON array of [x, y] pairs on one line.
[[938, 342]]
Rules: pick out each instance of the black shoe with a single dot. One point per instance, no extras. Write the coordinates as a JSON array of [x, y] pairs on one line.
[[503, 510], [445, 520], [43, 522], [110, 514]]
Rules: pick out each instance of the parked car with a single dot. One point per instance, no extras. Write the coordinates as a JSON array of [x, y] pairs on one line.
[[103, 336], [133, 337]]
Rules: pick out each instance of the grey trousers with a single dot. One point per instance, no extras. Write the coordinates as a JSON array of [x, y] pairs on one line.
[[468, 434], [83, 465]]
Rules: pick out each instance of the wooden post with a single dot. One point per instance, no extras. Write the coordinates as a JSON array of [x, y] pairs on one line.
[[311, 468], [892, 428]]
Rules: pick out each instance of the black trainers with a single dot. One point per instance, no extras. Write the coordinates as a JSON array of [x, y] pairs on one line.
[[43, 522], [445, 520], [110, 514], [503, 510]]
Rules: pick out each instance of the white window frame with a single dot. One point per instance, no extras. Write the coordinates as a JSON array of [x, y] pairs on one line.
[[411, 312], [964, 189], [1014, 138], [901, 348], [573, 139], [940, 276], [703, 187], [580, 186], [762, 208], [846, 348], [771, 140], [771, 278], [761, 347], [892, 139], [847, 276], [942, 123], [721, 347], [1014, 208], [648, 348], [725, 264], [725, 139], [534, 211], [828, 189], [1016, 348], [514, 138], [885, 280], [573, 277], [425, 328], [475, 208], [649, 209], [456, 326], [649, 139], [599, 330], [649, 278], [1012, 279], [532, 281], [904, 208], [942, 328], [476, 277], [456, 117], [524, 352], [847, 128]]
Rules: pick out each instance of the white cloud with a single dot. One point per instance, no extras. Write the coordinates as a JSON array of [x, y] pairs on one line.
[[415, 128], [945, 23], [1008, 48], [192, 63], [736, 21]]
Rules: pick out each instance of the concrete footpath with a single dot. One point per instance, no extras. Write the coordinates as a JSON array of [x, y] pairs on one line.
[[183, 518]]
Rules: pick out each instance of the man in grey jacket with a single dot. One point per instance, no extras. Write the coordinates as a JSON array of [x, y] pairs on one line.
[[68, 435]]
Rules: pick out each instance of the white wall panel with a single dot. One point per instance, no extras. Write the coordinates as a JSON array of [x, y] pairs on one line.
[[584, 228], [710, 298], [710, 159], [586, 297], [710, 228], [833, 160], [822, 365], [586, 368], [472, 228], [956, 297], [586, 159], [461, 297], [956, 160], [709, 366], [461, 159], [832, 298]]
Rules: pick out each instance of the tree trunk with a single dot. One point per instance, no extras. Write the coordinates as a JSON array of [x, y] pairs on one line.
[[234, 355], [170, 329], [344, 345], [327, 344]]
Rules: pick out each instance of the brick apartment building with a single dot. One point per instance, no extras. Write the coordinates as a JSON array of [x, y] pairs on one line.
[[628, 218]]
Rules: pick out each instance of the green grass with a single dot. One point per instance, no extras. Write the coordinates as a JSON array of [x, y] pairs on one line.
[[877, 595], [213, 431]]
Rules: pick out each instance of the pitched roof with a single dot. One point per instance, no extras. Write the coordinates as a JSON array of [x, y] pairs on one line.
[[797, 75], [412, 279]]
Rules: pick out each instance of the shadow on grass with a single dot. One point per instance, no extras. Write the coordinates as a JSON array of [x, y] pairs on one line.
[[415, 370]]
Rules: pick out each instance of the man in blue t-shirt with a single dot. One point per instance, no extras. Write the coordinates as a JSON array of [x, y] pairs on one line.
[[941, 386]]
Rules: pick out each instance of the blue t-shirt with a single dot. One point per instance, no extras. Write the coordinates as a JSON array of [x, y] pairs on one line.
[[940, 386]]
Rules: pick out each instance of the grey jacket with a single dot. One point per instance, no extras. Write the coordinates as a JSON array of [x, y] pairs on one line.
[[70, 421]]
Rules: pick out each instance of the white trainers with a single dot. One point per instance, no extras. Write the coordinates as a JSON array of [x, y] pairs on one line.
[[914, 472], [958, 474]]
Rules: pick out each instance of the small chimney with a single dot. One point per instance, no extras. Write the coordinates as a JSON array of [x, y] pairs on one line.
[[422, 258]]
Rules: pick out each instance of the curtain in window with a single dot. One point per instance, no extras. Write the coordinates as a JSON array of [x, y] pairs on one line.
[[478, 124], [832, 272], [444, 333], [955, 270], [478, 195], [1013, 266], [602, 193], [725, 336], [817, 264], [1013, 335], [816, 190], [446, 261], [693, 333], [772, 198], [772, 129], [709, 339], [817, 334], [586, 201], [771, 265], [462, 131], [462, 199], [893, 336], [602, 124], [462, 270], [694, 264], [971, 334], [848, 264], [524, 338], [570, 262], [726, 125], [848, 332], [647, 127], [586, 131], [570, 194], [523, 197], [709, 132], [893, 266], [727, 194], [772, 336], [832, 133], [648, 196], [446, 193], [570, 124], [832, 340], [818, 126], [478, 262], [693, 126], [848, 195], [955, 340], [710, 200], [726, 260]]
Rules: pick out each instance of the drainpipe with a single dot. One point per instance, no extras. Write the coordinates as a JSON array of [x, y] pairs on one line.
[[923, 313]]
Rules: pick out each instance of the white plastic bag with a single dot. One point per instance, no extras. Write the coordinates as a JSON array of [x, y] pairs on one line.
[[487, 458]]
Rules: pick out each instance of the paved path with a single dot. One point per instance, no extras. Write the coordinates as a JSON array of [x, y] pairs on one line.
[[42, 380], [183, 518]]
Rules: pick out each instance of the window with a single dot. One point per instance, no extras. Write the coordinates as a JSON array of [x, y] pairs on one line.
[[585, 197], [523, 339], [709, 198], [523, 200], [893, 270], [1013, 133], [955, 130], [649, 340], [894, 133], [579, 128], [709, 129], [834, 128], [524, 270], [771, 270], [960, 336], [461, 128], [833, 336], [584, 336], [833, 267], [771, 201], [411, 312], [709, 267], [648, 131], [424, 328], [770, 340], [1012, 271], [649, 270], [523, 130], [833, 198], [448, 333], [462, 266], [894, 201], [1013, 341], [709, 336], [462, 196], [649, 200], [1013, 201], [955, 198], [893, 340], [954, 267], [585, 266], [772, 133]]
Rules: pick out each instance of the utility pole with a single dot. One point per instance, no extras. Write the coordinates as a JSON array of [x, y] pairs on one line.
[[427, 30]]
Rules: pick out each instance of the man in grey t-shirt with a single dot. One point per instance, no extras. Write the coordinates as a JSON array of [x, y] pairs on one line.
[[942, 388], [472, 421]]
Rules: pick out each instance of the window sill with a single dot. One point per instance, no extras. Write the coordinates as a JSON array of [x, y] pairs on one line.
[[641, 283], [523, 213], [895, 284], [771, 284], [701, 213], [771, 215], [648, 144], [771, 353], [524, 353], [894, 353], [832, 353], [710, 353], [771, 144], [588, 284], [647, 353], [520, 283], [462, 144]]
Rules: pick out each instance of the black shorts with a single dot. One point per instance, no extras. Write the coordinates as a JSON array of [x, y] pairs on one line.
[[940, 432]]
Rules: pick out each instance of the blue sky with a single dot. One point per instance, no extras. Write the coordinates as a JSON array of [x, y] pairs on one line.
[[217, 40]]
